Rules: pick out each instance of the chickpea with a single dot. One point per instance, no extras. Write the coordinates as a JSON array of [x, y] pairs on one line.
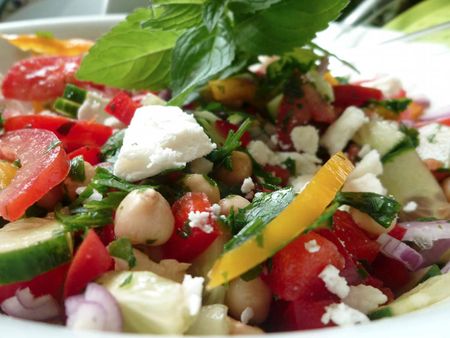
[[368, 224], [144, 217], [238, 328], [446, 187], [234, 202], [200, 183], [70, 186], [254, 294], [242, 168]]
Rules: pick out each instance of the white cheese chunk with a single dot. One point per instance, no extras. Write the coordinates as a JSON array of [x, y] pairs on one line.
[[366, 183], [342, 130], [260, 152], [305, 139], [371, 163], [93, 109], [300, 182], [343, 315], [435, 143], [160, 138], [312, 246], [305, 164], [247, 185], [192, 289], [333, 282], [365, 298]]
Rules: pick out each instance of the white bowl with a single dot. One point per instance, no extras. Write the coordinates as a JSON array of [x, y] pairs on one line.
[[429, 322]]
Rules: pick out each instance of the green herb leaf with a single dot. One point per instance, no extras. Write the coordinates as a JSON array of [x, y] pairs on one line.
[[126, 281], [251, 220], [174, 17], [77, 172], [122, 248], [213, 11], [111, 148], [396, 106], [382, 209], [251, 6], [200, 54], [285, 25]]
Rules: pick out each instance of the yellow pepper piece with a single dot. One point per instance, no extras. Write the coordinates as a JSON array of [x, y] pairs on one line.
[[233, 89], [330, 79], [48, 46], [7, 173], [291, 222]]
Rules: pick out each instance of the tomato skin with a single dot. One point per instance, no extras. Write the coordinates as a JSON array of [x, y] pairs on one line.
[[91, 154], [72, 133], [358, 244], [50, 282], [295, 270], [91, 260], [225, 127], [44, 164], [346, 95], [186, 248], [122, 107], [40, 78], [398, 232], [391, 272]]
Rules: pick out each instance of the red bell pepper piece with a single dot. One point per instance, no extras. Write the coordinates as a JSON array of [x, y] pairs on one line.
[[347, 95], [122, 107], [91, 154], [225, 127], [91, 260]]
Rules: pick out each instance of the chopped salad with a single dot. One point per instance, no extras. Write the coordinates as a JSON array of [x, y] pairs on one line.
[[168, 179]]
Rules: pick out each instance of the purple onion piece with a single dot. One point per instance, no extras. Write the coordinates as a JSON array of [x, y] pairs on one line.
[[400, 251], [88, 316], [446, 268], [72, 303], [97, 293], [44, 308], [424, 234]]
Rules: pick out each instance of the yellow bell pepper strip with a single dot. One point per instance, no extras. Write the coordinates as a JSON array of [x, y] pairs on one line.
[[233, 89], [7, 173], [291, 222], [47, 45]]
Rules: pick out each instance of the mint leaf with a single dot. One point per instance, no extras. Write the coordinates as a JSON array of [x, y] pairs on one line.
[[213, 12], [285, 25], [250, 6], [122, 248], [200, 54], [131, 57], [171, 2], [174, 17]]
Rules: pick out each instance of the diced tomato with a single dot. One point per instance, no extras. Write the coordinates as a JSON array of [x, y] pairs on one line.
[[225, 127], [40, 78], [44, 165], [91, 260], [295, 270], [279, 172], [72, 133], [346, 95], [398, 232], [186, 242], [391, 272], [50, 282], [299, 315], [122, 107], [360, 246], [91, 154], [106, 234], [299, 107]]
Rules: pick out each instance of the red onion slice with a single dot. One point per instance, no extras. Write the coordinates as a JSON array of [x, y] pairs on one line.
[[446, 268], [400, 251], [25, 306], [96, 309], [424, 234]]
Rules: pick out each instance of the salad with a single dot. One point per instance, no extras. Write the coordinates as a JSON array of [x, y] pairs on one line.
[[169, 179]]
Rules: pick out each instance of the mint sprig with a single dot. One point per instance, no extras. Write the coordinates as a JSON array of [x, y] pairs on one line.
[[181, 44]]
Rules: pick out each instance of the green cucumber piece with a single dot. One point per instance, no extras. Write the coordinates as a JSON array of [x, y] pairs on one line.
[[407, 178], [74, 94], [273, 105], [421, 276], [66, 108], [32, 246], [431, 291], [381, 135]]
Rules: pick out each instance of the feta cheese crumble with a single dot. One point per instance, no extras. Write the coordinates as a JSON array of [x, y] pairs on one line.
[[160, 138], [365, 298], [300, 182], [342, 130], [305, 139], [200, 219], [370, 163], [95, 196], [333, 282], [93, 109], [192, 289], [247, 185], [260, 152], [410, 206], [215, 210], [366, 183], [312, 246], [343, 315], [247, 315], [434, 143]]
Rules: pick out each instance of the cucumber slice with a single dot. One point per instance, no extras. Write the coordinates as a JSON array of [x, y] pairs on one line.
[[32, 246], [273, 105], [407, 178], [421, 276], [432, 291], [381, 135]]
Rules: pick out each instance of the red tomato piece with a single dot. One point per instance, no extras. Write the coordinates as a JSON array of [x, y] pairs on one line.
[[91, 260], [295, 270], [40, 78], [225, 127], [91, 154], [186, 243], [360, 246], [391, 272], [72, 133], [106, 234], [122, 107], [44, 165], [50, 282], [279, 172], [346, 95], [398, 232]]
